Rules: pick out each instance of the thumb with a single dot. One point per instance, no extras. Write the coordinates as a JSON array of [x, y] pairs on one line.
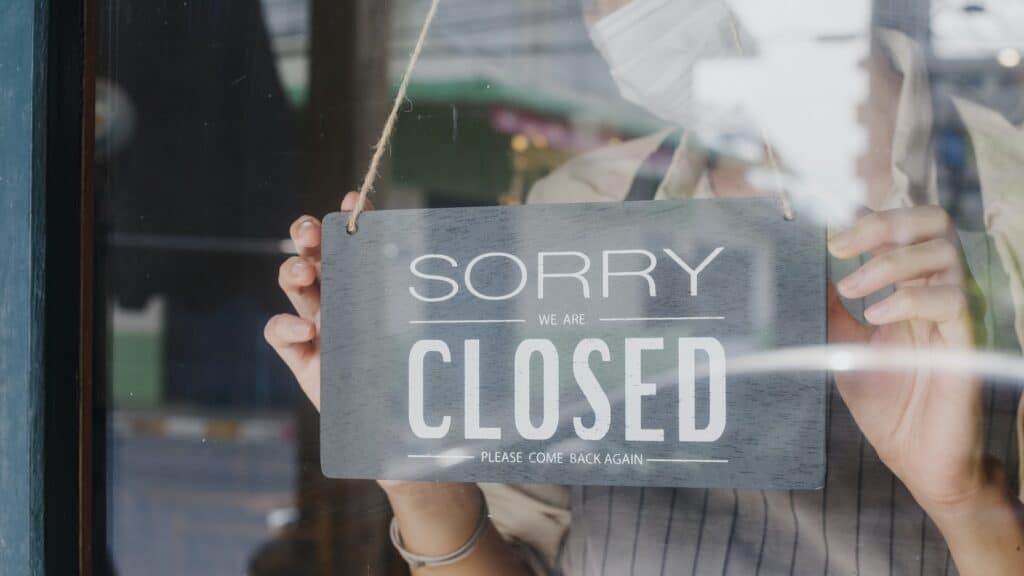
[[842, 326]]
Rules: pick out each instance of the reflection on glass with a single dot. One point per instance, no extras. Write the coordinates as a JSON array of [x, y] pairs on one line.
[[219, 126]]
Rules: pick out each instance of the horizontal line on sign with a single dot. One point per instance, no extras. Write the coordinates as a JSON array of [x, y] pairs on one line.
[[442, 456], [508, 321], [689, 460], [662, 318]]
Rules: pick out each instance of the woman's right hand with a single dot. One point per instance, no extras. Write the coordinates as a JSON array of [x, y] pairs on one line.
[[434, 517], [296, 337]]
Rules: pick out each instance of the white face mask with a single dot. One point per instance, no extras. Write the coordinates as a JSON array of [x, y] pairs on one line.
[[652, 47]]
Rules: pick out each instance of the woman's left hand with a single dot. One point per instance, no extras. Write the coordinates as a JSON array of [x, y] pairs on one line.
[[926, 425]]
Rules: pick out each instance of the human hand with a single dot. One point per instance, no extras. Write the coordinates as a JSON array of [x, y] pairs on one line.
[[926, 425], [435, 517], [296, 337]]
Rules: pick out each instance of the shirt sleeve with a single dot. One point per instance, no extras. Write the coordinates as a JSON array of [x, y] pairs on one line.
[[999, 148], [533, 518], [602, 175]]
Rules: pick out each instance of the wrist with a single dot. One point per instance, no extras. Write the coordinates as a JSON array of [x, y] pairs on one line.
[[984, 530], [417, 560], [434, 518], [990, 488]]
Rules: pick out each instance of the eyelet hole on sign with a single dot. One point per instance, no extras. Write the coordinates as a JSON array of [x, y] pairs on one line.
[[351, 230]]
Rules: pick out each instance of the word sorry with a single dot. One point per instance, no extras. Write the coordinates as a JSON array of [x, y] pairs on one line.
[[608, 271], [635, 390]]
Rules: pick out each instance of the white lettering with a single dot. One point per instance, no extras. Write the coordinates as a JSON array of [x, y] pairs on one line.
[[636, 389], [549, 358], [578, 275], [688, 431], [415, 272], [606, 272], [417, 421], [693, 272], [472, 390], [591, 389], [475, 261]]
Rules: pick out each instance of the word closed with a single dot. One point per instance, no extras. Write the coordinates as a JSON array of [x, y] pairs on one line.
[[589, 388]]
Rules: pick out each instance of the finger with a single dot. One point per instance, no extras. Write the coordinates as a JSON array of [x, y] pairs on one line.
[[842, 326], [298, 279], [294, 340], [898, 227], [938, 256], [945, 305], [348, 203], [933, 303], [305, 233]]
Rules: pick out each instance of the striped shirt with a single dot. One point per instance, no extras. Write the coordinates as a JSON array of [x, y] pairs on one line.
[[863, 522]]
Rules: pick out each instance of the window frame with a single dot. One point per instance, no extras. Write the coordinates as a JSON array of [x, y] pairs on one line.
[[48, 470]]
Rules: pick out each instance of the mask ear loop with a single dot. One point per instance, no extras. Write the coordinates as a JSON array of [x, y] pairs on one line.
[[389, 126], [784, 199]]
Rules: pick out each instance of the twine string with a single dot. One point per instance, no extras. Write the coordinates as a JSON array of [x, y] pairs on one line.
[[389, 126], [403, 88]]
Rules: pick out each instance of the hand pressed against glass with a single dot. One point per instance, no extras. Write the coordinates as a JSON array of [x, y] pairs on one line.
[[926, 425]]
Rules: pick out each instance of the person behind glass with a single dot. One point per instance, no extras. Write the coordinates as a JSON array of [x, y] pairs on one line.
[[926, 427]]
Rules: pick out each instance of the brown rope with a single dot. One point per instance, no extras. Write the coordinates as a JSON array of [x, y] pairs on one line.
[[389, 126]]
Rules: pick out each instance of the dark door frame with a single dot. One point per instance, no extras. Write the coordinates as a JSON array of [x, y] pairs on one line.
[[47, 463]]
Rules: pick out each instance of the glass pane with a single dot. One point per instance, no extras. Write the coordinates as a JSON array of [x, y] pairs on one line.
[[889, 127]]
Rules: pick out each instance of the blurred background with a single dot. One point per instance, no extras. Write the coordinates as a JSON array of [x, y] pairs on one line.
[[220, 123]]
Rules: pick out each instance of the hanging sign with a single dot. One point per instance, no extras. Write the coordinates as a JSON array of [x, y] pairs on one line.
[[573, 344]]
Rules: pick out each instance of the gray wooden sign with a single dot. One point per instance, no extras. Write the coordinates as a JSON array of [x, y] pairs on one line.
[[573, 344]]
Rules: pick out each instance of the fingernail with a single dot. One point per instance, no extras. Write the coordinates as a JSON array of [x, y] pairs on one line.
[[850, 283], [306, 224], [300, 268], [300, 329], [878, 312]]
